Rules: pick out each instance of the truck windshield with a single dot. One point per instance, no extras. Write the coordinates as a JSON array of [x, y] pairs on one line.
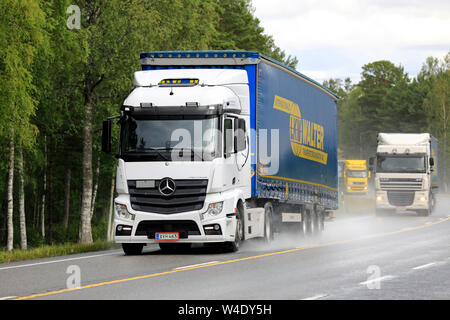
[[174, 138], [356, 174], [401, 164]]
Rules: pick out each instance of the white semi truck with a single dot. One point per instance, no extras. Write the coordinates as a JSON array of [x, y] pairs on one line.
[[218, 147], [406, 177]]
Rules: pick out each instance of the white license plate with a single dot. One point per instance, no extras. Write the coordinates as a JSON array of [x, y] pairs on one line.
[[167, 236]]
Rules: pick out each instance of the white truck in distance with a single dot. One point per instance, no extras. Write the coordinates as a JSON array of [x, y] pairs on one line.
[[405, 173]]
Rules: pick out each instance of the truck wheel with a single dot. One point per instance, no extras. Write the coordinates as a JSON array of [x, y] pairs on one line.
[[315, 222], [268, 225], [302, 228], [432, 203], [239, 234], [308, 223], [132, 249]]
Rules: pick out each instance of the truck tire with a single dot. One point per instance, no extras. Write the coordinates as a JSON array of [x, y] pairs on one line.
[[234, 246], [321, 221], [308, 223], [268, 223], [432, 202], [315, 222], [302, 228], [132, 249]]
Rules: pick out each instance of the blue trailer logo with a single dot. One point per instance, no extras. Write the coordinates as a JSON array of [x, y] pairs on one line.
[[307, 138]]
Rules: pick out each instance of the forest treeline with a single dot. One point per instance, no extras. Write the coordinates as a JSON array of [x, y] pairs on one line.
[[387, 99], [64, 67]]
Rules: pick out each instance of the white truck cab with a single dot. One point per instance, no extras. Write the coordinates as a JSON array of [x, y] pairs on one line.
[[406, 173], [174, 160]]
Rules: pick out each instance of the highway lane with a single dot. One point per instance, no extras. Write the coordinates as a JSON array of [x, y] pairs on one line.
[[357, 257]]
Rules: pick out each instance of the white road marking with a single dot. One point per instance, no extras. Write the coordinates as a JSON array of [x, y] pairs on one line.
[[7, 298], [425, 266], [56, 261], [195, 265], [316, 297], [377, 280]]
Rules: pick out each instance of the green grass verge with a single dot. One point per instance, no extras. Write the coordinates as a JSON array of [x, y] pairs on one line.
[[53, 251]]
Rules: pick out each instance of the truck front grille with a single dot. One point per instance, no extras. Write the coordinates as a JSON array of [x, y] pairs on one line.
[[400, 198], [189, 195], [400, 184]]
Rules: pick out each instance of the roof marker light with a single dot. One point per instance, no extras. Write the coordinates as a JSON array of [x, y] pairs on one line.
[[183, 82]]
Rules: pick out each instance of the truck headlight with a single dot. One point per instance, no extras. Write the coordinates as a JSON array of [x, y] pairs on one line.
[[214, 209], [423, 198], [122, 212], [379, 198]]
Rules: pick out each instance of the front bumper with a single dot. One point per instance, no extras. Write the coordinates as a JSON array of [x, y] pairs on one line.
[[356, 189], [226, 220], [420, 201]]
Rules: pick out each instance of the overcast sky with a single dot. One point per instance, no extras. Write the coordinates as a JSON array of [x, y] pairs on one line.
[[335, 38]]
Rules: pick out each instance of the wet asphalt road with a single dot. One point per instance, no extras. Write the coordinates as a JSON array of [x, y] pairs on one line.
[[358, 256]]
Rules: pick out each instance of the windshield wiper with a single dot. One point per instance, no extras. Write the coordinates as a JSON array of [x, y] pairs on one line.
[[156, 150]]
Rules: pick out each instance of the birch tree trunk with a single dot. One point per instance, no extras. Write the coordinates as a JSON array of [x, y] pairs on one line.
[[50, 193], [10, 241], [111, 208], [94, 194], [22, 221], [67, 198], [85, 230], [45, 189]]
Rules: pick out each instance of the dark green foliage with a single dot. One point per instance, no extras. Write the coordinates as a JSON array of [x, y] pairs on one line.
[[239, 29]]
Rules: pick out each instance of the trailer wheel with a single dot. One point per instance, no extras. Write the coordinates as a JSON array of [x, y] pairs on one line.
[[425, 212], [380, 212], [308, 223], [132, 249], [268, 223], [321, 218], [302, 228]]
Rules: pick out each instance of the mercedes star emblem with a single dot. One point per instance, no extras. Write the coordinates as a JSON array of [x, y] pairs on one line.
[[167, 186]]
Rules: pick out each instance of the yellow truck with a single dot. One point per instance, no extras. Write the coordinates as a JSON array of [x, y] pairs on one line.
[[356, 177]]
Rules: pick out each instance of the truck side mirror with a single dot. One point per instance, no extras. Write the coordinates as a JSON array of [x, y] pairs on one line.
[[371, 161], [431, 162], [239, 135], [106, 136]]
